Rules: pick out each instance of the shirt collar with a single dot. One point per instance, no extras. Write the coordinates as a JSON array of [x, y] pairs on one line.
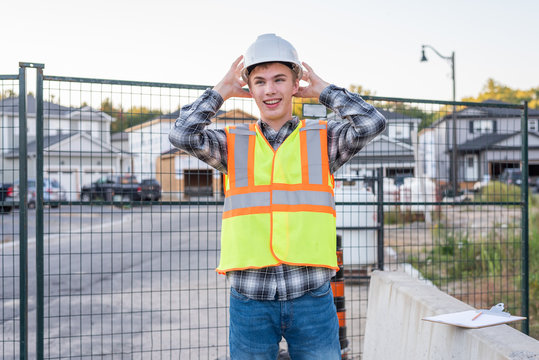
[[290, 123]]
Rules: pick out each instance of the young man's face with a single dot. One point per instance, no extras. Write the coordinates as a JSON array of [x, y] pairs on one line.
[[272, 86]]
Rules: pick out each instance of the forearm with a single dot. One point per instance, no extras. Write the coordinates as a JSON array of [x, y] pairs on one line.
[[362, 123], [190, 134]]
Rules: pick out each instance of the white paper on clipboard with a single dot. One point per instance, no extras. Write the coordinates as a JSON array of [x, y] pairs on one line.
[[464, 319]]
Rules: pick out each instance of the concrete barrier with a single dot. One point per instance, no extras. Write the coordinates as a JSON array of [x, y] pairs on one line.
[[394, 328]]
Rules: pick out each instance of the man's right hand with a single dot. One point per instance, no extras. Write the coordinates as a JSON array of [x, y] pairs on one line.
[[232, 84]]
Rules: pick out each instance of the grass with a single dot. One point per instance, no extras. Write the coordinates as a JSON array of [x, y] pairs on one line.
[[497, 191], [487, 270], [534, 266]]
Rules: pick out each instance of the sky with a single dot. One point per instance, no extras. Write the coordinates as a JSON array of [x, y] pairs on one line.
[[375, 44]]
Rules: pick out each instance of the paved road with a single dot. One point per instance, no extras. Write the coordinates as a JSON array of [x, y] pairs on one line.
[[136, 283]]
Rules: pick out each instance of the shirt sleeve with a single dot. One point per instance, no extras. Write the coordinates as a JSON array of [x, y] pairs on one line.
[[362, 124], [191, 135]]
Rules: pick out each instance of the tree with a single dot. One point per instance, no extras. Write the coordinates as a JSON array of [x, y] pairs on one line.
[[494, 90], [124, 119], [8, 93], [360, 90]]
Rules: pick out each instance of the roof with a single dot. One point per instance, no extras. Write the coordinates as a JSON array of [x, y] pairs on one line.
[[119, 136], [49, 141], [10, 105], [483, 142], [475, 112], [389, 115]]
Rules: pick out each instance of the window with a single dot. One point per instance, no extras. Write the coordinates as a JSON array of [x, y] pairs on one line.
[[532, 125], [484, 126], [399, 131]]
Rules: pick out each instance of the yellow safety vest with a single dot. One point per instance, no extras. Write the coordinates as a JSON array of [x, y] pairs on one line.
[[279, 204]]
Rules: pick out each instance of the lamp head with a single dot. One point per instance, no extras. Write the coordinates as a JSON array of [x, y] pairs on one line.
[[423, 57]]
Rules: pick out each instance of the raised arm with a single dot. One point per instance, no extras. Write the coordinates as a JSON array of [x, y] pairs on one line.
[[189, 132]]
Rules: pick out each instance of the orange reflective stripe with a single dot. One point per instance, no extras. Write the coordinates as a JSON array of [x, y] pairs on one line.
[[285, 187], [247, 211]]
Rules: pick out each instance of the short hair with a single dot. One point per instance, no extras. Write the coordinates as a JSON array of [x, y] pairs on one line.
[[287, 64]]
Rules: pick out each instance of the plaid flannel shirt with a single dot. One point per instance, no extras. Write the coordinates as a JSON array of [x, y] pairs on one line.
[[345, 139]]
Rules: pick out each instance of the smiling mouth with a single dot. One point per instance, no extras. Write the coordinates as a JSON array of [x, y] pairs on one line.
[[272, 101]]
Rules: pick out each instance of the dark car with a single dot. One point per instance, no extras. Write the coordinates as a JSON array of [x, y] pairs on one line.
[[7, 198], [511, 176], [150, 190], [123, 187]]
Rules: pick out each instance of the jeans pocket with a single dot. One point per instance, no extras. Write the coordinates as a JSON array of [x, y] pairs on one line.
[[320, 291], [236, 295]]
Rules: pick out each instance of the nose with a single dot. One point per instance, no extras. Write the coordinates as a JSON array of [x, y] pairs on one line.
[[270, 88]]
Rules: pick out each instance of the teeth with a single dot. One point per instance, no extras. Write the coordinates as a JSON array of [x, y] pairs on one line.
[[271, 102]]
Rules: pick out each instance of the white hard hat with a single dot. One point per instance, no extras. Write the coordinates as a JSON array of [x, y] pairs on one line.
[[271, 48]]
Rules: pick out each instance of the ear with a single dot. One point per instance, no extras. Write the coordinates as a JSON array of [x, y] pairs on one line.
[[296, 87]]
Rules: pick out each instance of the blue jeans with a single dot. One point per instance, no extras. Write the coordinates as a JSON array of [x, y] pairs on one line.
[[308, 323]]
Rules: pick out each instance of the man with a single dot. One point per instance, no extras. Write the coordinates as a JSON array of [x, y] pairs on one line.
[[278, 230]]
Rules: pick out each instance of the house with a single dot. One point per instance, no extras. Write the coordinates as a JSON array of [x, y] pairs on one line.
[[392, 150], [488, 141], [76, 144], [180, 173], [57, 119], [74, 159]]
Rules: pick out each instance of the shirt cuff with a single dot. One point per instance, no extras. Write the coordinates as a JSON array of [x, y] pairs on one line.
[[215, 99], [327, 96]]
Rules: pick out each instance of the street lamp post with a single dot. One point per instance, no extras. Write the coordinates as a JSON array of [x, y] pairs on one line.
[[454, 159]]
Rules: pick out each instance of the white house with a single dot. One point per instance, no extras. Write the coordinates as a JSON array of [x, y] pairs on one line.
[[77, 144], [488, 141], [74, 160]]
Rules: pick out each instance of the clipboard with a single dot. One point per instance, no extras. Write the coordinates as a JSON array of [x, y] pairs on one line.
[[476, 319]]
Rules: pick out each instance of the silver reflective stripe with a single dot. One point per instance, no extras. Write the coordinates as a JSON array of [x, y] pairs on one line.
[[312, 125], [241, 201], [314, 151], [241, 131], [241, 152], [303, 197]]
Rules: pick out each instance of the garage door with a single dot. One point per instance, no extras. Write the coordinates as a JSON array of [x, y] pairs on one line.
[[198, 182], [68, 182]]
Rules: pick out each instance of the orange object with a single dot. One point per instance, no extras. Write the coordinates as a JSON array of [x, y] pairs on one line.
[[338, 288], [342, 318]]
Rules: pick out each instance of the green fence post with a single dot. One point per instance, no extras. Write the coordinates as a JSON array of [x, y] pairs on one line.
[[525, 230], [39, 216], [23, 218], [380, 218]]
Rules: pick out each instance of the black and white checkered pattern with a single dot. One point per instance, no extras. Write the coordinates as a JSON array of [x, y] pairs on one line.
[[345, 139]]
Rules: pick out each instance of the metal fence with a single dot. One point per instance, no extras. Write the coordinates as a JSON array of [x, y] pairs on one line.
[[109, 270]]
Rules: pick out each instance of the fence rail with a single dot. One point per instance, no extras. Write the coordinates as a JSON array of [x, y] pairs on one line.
[[95, 273]]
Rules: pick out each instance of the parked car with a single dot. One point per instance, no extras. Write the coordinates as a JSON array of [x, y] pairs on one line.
[[150, 190], [107, 188], [7, 198], [31, 193], [511, 176], [53, 193]]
